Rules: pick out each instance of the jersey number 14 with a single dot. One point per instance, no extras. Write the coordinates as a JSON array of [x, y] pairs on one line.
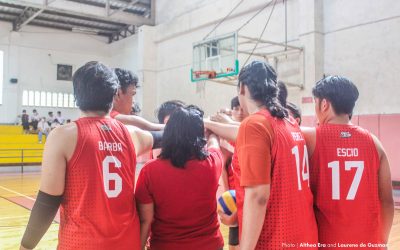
[[303, 173]]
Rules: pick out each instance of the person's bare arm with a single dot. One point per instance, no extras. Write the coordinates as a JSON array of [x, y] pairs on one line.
[[224, 175], [213, 142], [58, 149], [139, 122], [254, 210], [142, 140], [54, 163], [223, 118], [309, 134], [385, 190], [226, 131], [146, 215]]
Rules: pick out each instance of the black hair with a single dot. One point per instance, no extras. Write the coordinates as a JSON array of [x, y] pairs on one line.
[[34, 110], [235, 102], [94, 87], [59, 112], [50, 112], [295, 110], [282, 93], [136, 108], [167, 108], [183, 137], [260, 79], [126, 78], [24, 111], [339, 91]]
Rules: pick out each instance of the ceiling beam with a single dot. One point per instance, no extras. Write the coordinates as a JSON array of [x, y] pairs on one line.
[[112, 6], [138, 4], [75, 24], [84, 18], [107, 7], [74, 9], [121, 34], [153, 11], [29, 14], [123, 8]]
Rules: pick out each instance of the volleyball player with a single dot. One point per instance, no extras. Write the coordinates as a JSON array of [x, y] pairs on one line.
[[273, 197], [89, 169], [350, 173]]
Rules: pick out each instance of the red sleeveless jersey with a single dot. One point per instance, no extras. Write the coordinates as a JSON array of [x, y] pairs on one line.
[[344, 181], [289, 220], [98, 208], [113, 113]]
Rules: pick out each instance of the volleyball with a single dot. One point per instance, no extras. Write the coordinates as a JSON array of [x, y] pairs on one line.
[[227, 202]]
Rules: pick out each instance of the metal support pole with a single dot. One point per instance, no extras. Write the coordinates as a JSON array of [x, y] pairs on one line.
[[285, 24], [22, 161]]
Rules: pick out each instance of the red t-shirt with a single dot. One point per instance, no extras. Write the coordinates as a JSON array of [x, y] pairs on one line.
[[98, 209], [185, 214], [272, 151], [344, 180]]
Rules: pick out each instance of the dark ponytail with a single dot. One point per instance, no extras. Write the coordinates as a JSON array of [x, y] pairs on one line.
[[260, 78]]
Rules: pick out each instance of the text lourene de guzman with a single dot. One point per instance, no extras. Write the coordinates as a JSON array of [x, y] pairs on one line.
[[335, 245]]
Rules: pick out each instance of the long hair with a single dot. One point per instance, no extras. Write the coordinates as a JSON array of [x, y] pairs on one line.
[[183, 137], [260, 79]]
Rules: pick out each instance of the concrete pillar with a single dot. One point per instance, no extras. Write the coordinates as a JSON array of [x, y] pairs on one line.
[[312, 38], [147, 63]]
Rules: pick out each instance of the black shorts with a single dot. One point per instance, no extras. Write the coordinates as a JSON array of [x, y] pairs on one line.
[[233, 236]]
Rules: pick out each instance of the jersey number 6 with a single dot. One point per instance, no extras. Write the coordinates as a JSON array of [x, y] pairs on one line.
[[107, 177]]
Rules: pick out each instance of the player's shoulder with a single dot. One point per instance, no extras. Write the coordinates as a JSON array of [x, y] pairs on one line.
[[63, 139], [215, 153], [254, 122], [154, 167], [308, 132], [67, 131]]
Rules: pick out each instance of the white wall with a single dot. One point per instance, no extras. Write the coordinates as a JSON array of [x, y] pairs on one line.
[[362, 43], [125, 54], [357, 39], [32, 55], [189, 23]]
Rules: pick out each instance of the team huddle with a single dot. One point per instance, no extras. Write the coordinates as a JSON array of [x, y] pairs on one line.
[[326, 187]]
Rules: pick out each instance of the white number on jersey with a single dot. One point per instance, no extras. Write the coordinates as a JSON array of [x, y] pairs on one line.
[[348, 165], [107, 177], [305, 175]]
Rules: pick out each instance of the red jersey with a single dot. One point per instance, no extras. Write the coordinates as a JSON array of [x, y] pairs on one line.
[[289, 219], [98, 208], [185, 214], [229, 170], [344, 180], [114, 113], [231, 178]]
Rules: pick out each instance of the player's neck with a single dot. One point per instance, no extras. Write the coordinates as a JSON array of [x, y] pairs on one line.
[[338, 119], [94, 114], [254, 107]]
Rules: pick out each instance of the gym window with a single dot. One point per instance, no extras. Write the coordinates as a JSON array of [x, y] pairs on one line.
[[47, 99]]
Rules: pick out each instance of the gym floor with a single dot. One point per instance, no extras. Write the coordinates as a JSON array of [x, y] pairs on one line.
[[17, 196]]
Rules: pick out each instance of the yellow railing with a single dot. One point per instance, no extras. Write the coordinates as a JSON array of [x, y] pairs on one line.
[[20, 157]]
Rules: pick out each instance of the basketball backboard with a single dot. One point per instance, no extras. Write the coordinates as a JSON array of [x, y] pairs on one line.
[[215, 58]]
